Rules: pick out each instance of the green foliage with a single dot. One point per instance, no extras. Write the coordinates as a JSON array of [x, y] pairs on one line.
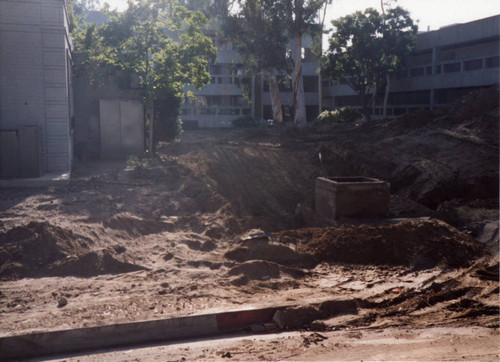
[[136, 163], [212, 9], [244, 122], [299, 16], [365, 46], [259, 36], [340, 115], [159, 43]]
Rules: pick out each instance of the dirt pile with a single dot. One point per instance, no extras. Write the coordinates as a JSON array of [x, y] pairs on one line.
[[136, 226], [277, 253], [261, 270], [40, 249], [418, 244]]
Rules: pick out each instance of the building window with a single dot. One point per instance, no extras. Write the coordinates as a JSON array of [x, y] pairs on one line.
[[342, 101], [492, 62], [216, 69], [447, 55], [416, 72], [229, 112], [437, 70], [310, 83], [238, 101], [312, 112], [401, 73], [245, 111], [267, 112], [473, 64], [451, 68], [214, 100], [428, 70], [204, 111], [399, 111]]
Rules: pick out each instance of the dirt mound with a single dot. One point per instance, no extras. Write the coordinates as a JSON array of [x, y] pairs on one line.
[[256, 270], [421, 244], [136, 226], [474, 104], [92, 264], [41, 249], [261, 270], [277, 253]]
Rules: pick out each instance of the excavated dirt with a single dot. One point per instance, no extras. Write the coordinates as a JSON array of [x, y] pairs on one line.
[[417, 244], [40, 249], [225, 220]]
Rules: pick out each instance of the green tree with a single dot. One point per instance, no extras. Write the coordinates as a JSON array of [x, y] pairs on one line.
[[367, 46], [163, 45], [261, 42], [213, 9]]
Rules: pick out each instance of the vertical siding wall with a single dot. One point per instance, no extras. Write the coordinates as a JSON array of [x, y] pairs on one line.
[[35, 75]]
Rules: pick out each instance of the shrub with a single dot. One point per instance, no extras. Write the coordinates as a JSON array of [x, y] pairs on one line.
[[244, 122], [340, 115], [135, 163]]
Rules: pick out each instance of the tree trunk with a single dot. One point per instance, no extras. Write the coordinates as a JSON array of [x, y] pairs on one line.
[[299, 104], [151, 122], [366, 107], [275, 95], [386, 96]]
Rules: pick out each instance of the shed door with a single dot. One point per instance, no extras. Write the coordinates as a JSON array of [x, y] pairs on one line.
[[122, 128], [132, 127]]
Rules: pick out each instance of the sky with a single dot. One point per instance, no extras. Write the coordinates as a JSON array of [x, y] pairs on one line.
[[431, 14]]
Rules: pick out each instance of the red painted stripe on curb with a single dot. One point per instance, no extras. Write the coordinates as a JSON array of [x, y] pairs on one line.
[[240, 319]]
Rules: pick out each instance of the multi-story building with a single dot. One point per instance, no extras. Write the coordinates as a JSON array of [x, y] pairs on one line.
[[444, 65], [35, 88], [231, 94], [224, 99]]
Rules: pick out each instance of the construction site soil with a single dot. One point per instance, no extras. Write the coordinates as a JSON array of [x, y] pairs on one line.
[[224, 219]]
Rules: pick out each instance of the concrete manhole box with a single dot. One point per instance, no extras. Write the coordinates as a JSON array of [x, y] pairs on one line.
[[351, 197]]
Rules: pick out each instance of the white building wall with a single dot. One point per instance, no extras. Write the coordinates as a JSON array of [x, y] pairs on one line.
[[35, 53]]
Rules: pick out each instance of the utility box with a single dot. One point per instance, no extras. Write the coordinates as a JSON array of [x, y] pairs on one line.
[[356, 196]]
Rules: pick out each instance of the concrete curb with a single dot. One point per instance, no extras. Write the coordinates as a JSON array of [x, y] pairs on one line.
[[118, 335], [47, 180], [163, 330]]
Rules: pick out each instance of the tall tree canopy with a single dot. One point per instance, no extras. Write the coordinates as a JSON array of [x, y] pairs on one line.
[[213, 9], [160, 43], [265, 30], [365, 47], [259, 36]]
